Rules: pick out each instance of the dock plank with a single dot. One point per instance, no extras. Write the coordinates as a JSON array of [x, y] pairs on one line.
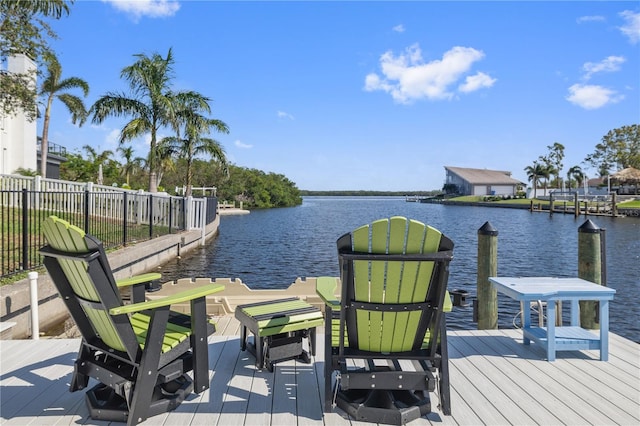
[[574, 390], [495, 379]]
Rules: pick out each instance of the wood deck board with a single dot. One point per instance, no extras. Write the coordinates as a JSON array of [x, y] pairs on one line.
[[495, 379]]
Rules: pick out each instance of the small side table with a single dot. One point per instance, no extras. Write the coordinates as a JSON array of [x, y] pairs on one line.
[[278, 327], [552, 290]]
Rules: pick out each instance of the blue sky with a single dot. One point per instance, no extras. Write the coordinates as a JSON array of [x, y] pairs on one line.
[[372, 95]]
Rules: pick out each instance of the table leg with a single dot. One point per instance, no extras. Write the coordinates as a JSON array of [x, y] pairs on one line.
[[526, 319], [604, 330], [259, 342], [312, 341], [551, 330], [243, 338]]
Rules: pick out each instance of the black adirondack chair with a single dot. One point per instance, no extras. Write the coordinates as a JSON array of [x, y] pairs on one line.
[[140, 352]]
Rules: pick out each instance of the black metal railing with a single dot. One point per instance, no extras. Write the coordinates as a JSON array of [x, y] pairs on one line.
[[116, 219]]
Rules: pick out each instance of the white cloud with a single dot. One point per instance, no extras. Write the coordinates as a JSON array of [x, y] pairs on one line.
[[282, 114], [407, 77], [591, 96], [590, 19], [476, 82], [113, 137], [399, 28], [631, 28], [239, 144], [608, 64], [137, 9]]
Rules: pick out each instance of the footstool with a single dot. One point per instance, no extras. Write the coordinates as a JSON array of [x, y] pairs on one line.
[[278, 327]]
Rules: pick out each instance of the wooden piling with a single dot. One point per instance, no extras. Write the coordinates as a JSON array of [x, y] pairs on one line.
[[589, 268], [576, 203], [614, 208], [487, 267]]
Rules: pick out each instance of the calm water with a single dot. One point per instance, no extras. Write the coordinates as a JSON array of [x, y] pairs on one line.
[[270, 248]]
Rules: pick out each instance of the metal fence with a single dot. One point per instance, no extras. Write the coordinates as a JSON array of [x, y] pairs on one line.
[[116, 217]]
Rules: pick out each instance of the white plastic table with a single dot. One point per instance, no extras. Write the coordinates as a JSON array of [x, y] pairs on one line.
[[552, 290]]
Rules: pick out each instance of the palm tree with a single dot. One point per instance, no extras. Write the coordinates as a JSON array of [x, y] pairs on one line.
[[131, 164], [165, 154], [151, 106], [575, 173], [195, 125], [55, 88], [535, 173]]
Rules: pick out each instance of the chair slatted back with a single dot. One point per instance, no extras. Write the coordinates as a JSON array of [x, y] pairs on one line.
[[393, 299], [79, 268]]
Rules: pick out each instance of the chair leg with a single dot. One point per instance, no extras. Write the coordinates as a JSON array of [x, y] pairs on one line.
[[328, 364], [200, 347], [80, 381], [148, 371], [445, 391]]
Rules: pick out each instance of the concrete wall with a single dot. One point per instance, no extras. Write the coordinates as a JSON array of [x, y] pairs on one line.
[[137, 259]]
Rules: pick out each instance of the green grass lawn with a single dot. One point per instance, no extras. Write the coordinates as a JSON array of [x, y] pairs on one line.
[[635, 204]]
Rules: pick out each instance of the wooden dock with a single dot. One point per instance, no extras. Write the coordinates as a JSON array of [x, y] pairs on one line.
[[495, 380]]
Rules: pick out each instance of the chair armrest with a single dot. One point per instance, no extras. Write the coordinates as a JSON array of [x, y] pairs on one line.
[[138, 279], [448, 305], [183, 296], [326, 288]]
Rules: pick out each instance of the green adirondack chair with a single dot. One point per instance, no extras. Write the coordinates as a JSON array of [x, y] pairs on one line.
[[140, 352], [385, 335]]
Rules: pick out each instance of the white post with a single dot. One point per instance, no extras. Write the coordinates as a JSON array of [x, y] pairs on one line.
[[586, 185], [33, 292], [190, 213], [203, 221]]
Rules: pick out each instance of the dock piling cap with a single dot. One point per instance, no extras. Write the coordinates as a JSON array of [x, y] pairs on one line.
[[488, 229], [589, 227]]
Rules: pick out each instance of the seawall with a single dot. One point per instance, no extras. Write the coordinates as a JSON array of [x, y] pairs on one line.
[[132, 260]]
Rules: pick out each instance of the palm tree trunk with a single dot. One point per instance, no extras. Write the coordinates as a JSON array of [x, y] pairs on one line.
[[153, 182], [44, 141]]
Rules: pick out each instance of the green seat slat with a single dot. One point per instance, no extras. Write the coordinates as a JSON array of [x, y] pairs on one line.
[[335, 336], [174, 334], [101, 321], [295, 326], [272, 308], [282, 316]]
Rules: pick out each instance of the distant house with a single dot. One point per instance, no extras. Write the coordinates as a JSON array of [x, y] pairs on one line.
[[481, 181]]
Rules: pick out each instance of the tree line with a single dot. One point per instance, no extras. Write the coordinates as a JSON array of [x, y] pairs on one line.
[[254, 188], [151, 105], [619, 149]]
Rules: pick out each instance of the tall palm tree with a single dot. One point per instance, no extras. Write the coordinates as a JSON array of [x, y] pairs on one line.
[[576, 174], [195, 125], [534, 173], [53, 87], [151, 105]]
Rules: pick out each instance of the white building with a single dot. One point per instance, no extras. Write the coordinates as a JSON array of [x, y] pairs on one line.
[[481, 181], [18, 136]]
